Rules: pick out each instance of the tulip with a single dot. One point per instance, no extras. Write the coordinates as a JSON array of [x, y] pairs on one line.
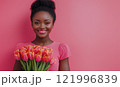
[[31, 55], [24, 57], [17, 51], [47, 51], [22, 50], [36, 53], [53, 60], [46, 58], [37, 49], [29, 48], [17, 56], [38, 57]]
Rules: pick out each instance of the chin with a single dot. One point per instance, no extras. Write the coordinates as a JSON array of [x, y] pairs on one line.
[[42, 36]]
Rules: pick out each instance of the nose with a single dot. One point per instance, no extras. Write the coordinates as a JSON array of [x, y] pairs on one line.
[[42, 25]]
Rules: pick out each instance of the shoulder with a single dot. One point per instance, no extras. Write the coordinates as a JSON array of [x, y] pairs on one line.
[[64, 51], [63, 45]]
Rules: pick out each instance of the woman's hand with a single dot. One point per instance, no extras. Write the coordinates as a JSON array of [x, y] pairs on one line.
[[17, 66]]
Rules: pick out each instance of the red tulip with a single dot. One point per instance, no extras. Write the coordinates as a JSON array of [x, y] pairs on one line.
[[31, 55], [38, 57], [22, 51], [46, 58], [37, 49], [24, 57], [17, 56], [23, 48], [29, 48]]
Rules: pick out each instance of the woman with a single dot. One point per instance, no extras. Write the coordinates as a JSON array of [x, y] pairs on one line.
[[43, 18]]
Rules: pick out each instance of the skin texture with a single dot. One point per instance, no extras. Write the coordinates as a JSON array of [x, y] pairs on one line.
[[17, 66], [43, 21], [64, 65]]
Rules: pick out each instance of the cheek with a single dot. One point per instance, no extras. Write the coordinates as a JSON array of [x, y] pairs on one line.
[[50, 27], [35, 27]]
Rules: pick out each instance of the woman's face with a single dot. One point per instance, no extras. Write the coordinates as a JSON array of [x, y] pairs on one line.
[[42, 23]]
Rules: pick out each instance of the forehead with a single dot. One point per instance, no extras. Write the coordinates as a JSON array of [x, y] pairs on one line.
[[42, 15]]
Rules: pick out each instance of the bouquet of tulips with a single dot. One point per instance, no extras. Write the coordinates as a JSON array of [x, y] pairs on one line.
[[34, 58]]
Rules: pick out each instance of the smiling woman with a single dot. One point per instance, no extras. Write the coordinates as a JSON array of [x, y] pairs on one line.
[[42, 23], [42, 18]]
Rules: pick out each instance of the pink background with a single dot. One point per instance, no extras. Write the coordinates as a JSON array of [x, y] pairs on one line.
[[91, 28]]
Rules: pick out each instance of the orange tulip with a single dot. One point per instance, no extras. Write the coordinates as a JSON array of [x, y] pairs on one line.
[[47, 51]]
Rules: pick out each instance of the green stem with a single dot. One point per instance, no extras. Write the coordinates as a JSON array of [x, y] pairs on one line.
[[46, 67], [40, 66], [35, 67], [22, 62], [27, 66], [43, 66]]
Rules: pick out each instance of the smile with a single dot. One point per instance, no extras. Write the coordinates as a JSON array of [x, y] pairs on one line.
[[42, 31]]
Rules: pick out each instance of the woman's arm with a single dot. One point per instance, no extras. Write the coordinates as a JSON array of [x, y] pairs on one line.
[[64, 65], [17, 66]]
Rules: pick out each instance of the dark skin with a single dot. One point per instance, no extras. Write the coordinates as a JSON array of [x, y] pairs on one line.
[[42, 24]]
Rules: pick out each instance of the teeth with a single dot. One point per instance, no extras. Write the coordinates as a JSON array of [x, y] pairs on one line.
[[42, 31]]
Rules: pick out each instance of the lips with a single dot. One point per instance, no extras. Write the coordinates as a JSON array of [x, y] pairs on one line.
[[42, 31]]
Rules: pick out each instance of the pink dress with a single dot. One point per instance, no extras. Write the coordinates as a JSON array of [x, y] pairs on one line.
[[60, 52]]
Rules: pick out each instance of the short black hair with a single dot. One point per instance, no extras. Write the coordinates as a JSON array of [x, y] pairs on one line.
[[43, 5]]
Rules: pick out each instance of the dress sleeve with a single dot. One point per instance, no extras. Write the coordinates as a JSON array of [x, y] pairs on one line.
[[64, 51]]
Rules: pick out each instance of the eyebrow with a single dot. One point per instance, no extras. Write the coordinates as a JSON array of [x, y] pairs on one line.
[[45, 20]]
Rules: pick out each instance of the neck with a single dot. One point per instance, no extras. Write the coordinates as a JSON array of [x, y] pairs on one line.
[[42, 41]]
